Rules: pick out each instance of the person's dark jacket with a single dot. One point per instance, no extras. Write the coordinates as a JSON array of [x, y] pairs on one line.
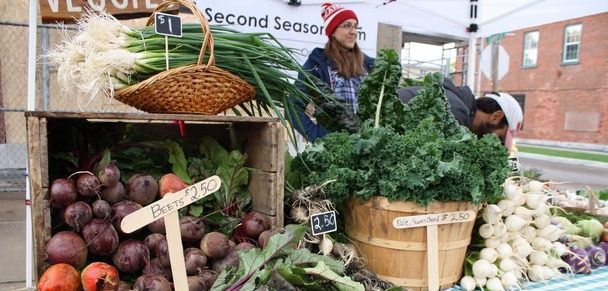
[[461, 100], [317, 64]]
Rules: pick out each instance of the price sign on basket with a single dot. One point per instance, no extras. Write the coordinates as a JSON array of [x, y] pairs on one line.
[[323, 222], [167, 208], [431, 221], [167, 24]]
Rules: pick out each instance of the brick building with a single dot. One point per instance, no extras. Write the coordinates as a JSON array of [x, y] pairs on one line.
[[559, 73]]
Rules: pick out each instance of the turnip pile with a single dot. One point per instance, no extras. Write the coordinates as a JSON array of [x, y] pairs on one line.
[[521, 240]]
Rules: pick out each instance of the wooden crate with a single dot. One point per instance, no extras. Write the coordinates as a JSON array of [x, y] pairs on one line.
[[263, 140]]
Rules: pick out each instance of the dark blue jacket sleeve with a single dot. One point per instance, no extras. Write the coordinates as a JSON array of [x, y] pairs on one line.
[[304, 125]]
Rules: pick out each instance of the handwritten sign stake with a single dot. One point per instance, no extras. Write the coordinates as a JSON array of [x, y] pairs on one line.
[[431, 221], [167, 208]]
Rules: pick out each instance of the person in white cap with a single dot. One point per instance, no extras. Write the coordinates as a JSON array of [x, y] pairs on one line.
[[340, 65], [498, 113], [495, 113]]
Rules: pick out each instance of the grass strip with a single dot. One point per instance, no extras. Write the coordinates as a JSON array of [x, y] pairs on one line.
[[563, 153]]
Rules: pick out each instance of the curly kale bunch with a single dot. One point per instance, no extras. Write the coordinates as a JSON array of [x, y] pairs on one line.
[[419, 153]]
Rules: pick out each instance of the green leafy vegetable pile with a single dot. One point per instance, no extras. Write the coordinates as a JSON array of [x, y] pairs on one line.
[[419, 153], [281, 267]]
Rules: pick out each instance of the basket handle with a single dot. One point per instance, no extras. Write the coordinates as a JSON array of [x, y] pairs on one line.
[[207, 39]]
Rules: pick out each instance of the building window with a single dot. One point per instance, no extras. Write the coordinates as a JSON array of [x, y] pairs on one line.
[[530, 49], [572, 43]]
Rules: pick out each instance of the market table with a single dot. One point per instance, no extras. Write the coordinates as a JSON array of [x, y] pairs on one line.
[[597, 280]]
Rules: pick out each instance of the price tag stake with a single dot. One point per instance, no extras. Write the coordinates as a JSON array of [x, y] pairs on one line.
[[166, 208], [167, 25]]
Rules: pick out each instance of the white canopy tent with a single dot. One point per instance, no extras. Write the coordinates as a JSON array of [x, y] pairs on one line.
[[442, 18]]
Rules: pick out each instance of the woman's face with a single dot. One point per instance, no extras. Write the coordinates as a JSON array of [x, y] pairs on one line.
[[346, 33]]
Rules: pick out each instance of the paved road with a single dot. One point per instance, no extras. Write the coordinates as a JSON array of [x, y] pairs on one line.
[[577, 173]]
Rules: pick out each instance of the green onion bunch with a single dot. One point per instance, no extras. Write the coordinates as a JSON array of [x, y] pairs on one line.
[[106, 55]]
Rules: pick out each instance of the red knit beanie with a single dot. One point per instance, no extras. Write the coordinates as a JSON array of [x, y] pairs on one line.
[[334, 15]]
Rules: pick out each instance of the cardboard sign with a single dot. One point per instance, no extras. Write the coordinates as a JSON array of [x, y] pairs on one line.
[[167, 24], [323, 222], [433, 219]]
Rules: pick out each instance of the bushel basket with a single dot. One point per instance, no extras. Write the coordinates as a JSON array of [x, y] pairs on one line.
[[199, 88]]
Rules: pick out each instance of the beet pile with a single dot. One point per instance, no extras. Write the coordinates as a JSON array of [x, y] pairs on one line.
[[87, 240]]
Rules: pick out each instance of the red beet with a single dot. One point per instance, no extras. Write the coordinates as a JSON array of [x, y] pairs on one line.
[[88, 184], [152, 241], [101, 209], [142, 189], [131, 256], [114, 193], [66, 247], [152, 282], [100, 276], [109, 175], [62, 193], [192, 229], [157, 226], [77, 215], [101, 237], [120, 210], [195, 261], [215, 244]]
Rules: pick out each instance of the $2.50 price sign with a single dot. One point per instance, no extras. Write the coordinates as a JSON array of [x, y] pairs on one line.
[[433, 219], [169, 203], [323, 222]]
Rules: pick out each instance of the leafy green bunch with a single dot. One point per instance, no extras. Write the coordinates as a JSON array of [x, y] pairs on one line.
[[419, 153]]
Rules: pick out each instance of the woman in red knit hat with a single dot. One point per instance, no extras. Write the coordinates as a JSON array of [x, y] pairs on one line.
[[341, 65]]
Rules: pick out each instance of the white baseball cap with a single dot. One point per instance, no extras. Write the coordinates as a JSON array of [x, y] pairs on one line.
[[510, 107]]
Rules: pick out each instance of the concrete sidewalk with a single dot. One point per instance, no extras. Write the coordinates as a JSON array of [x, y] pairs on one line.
[[12, 243]]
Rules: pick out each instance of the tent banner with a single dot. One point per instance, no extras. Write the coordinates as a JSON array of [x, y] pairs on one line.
[[297, 27]]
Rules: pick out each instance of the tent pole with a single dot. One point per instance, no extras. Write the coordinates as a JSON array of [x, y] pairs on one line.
[[31, 105], [472, 29], [472, 59]]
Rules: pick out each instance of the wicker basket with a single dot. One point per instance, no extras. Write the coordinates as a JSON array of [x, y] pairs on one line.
[[200, 88]]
